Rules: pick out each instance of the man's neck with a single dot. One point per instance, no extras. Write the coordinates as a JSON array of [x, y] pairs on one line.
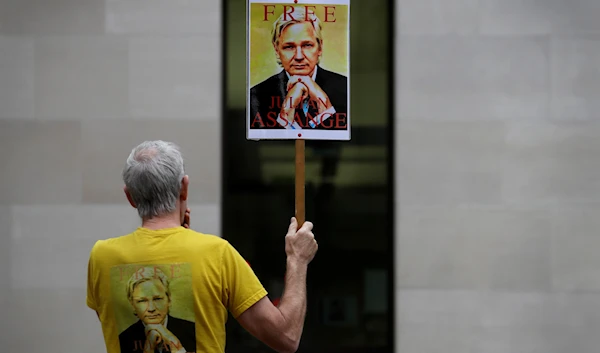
[[162, 222]]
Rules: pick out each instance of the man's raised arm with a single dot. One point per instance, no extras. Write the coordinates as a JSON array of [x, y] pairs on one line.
[[281, 327]]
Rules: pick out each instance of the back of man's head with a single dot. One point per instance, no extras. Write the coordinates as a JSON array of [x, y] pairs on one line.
[[153, 175]]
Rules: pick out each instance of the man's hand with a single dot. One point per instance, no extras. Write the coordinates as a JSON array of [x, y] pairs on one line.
[[186, 219], [300, 244], [157, 334], [315, 92], [153, 340], [296, 94]]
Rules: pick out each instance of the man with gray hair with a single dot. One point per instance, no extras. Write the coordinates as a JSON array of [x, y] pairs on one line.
[[180, 284]]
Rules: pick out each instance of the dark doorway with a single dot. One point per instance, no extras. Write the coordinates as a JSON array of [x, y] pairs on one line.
[[349, 195]]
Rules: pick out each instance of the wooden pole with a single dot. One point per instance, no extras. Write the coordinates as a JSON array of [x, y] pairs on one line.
[[300, 182]]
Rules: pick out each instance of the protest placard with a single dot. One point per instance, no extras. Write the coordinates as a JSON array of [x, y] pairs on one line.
[[298, 67], [298, 70]]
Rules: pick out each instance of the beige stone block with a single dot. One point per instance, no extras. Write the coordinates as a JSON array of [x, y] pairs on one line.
[[81, 78], [5, 232], [437, 17], [58, 318], [41, 162], [61, 17], [575, 78], [16, 78], [575, 264], [175, 78], [108, 144], [163, 17], [448, 163], [551, 164], [477, 249], [472, 78], [496, 321], [516, 17]]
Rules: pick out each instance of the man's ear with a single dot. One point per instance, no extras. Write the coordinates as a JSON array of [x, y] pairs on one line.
[[129, 197], [185, 182]]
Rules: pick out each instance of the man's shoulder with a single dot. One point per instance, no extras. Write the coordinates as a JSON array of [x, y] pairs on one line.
[[268, 84], [115, 241], [331, 76], [204, 238], [180, 322], [108, 243], [107, 251], [133, 330]]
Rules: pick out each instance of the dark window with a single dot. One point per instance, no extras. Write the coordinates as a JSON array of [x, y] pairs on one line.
[[349, 195]]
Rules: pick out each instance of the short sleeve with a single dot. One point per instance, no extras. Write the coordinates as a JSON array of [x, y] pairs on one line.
[[91, 279], [241, 286]]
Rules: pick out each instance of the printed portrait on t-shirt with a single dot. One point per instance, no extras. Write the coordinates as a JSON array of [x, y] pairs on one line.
[[154, 308]]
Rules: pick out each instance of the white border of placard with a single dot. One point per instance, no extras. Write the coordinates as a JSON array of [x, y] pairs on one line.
[[291, 133]]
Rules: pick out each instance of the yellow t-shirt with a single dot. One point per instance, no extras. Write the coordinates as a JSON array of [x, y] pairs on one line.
[[174, 283]]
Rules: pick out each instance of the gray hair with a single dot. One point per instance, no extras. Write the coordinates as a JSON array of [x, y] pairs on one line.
[[153, 176]]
